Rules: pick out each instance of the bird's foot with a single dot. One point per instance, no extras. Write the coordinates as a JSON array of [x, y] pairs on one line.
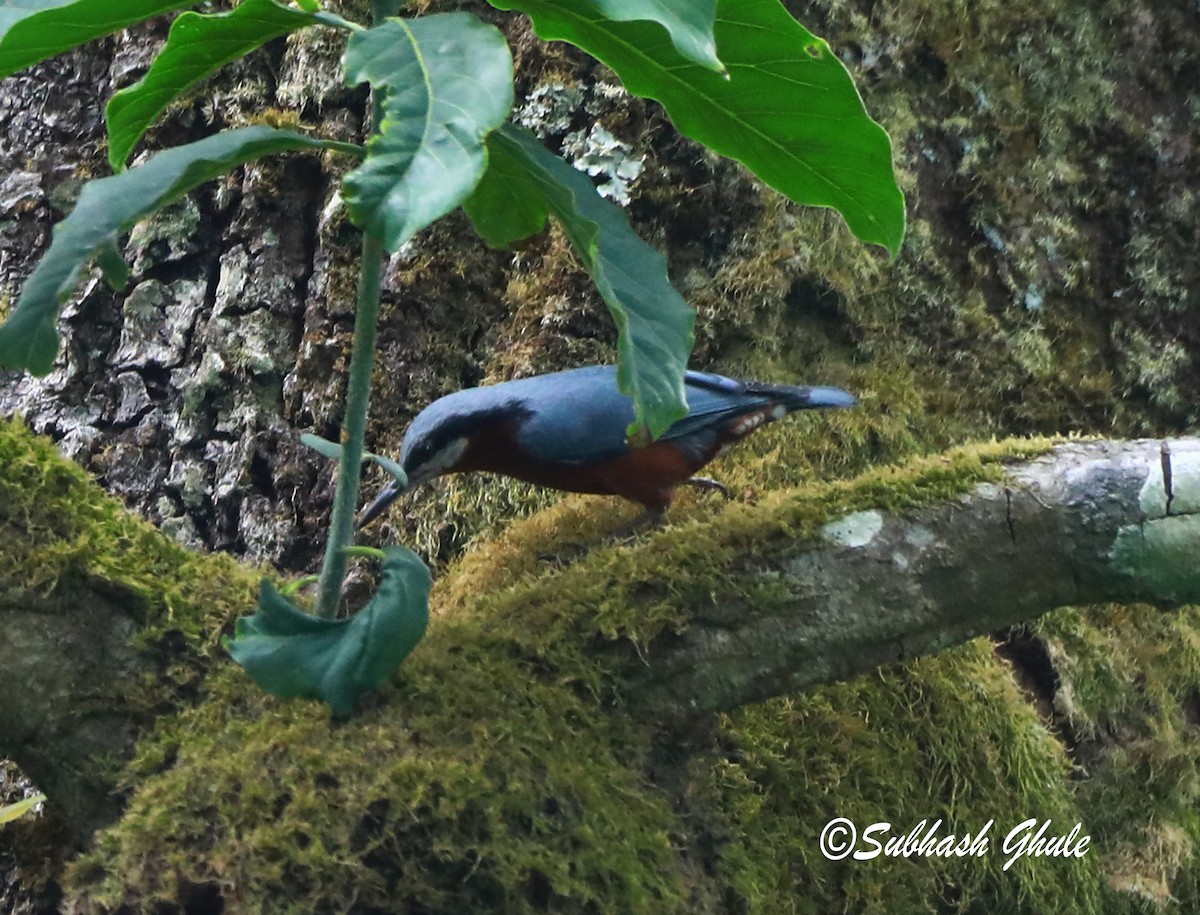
[[566, 553], [649, 518], [709, 483]]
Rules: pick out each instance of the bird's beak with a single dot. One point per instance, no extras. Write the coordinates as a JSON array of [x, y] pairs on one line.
[[830, 397], [381, 503]]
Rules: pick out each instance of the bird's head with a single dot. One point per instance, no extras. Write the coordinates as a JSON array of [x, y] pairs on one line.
[[441, 437]]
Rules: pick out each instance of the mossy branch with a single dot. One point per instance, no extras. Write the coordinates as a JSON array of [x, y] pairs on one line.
[[1086, 523], [810, 586], [106, 623]]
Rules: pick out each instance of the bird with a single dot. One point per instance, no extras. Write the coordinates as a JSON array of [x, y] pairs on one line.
[[567, 430]]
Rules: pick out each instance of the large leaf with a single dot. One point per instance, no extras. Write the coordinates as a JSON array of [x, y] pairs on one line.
[[788, 109], [197, 46], [292, 654], [688, 22], [33, 30], [525, 181], [448, 82], [107, 208]]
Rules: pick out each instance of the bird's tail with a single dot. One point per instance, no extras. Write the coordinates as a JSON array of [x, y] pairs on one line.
[[790, 397], [379, 505], [794, 397]]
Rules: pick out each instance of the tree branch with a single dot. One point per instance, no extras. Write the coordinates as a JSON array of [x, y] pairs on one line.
[[1089, 522]]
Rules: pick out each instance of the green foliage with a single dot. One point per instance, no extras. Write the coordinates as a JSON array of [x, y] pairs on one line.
[[655, 324], [197, 46], [108, 207], [442, 86], [447, 81], [33, 30], [291, 653], [688, 22], [787, 108]]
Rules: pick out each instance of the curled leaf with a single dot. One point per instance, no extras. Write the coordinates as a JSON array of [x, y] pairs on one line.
[[333, 451], [525, 182], [290, 653]]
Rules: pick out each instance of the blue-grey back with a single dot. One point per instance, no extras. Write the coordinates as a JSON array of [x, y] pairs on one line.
[[580, 414], [583, 416]]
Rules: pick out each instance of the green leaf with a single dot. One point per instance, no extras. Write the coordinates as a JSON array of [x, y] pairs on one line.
[[292, 654], [510, 202], [34, 30], [19, 809], [448, 83], [655, 325], [788, 109], [389, 466], [197, 46], [107, 208], [112, 265], [688, 22]]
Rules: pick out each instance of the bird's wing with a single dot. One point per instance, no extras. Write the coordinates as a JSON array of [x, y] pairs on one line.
[[580, 415], [576, 416], [712, 401]]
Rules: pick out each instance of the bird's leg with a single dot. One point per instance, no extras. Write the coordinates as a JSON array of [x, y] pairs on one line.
[[565, 554], [709, 483], [648, 518]]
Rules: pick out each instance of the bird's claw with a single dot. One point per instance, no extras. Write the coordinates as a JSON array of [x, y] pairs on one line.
[[709, 483]]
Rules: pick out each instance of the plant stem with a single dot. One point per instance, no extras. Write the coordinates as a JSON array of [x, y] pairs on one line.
[[358, 396], [358, 393]]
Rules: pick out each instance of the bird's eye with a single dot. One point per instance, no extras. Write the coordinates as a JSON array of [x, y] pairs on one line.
[[430, 462]]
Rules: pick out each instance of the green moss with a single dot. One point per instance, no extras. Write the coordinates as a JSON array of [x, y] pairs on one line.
[[618, 591], [60, 538], [499, 772], [1129, 700], [525, 789], [1044, 280], [945, 738], [58, 525]]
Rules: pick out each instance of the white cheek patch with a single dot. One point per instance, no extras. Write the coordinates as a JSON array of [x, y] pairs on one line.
[[446, 458]]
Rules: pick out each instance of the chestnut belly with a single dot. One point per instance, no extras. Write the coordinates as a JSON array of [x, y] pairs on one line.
[[645, 475]]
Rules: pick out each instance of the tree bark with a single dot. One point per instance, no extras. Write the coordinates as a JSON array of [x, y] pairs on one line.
[[58, 674]]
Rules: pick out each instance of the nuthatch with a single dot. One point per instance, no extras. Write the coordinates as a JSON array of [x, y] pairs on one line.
[[567, 430]]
